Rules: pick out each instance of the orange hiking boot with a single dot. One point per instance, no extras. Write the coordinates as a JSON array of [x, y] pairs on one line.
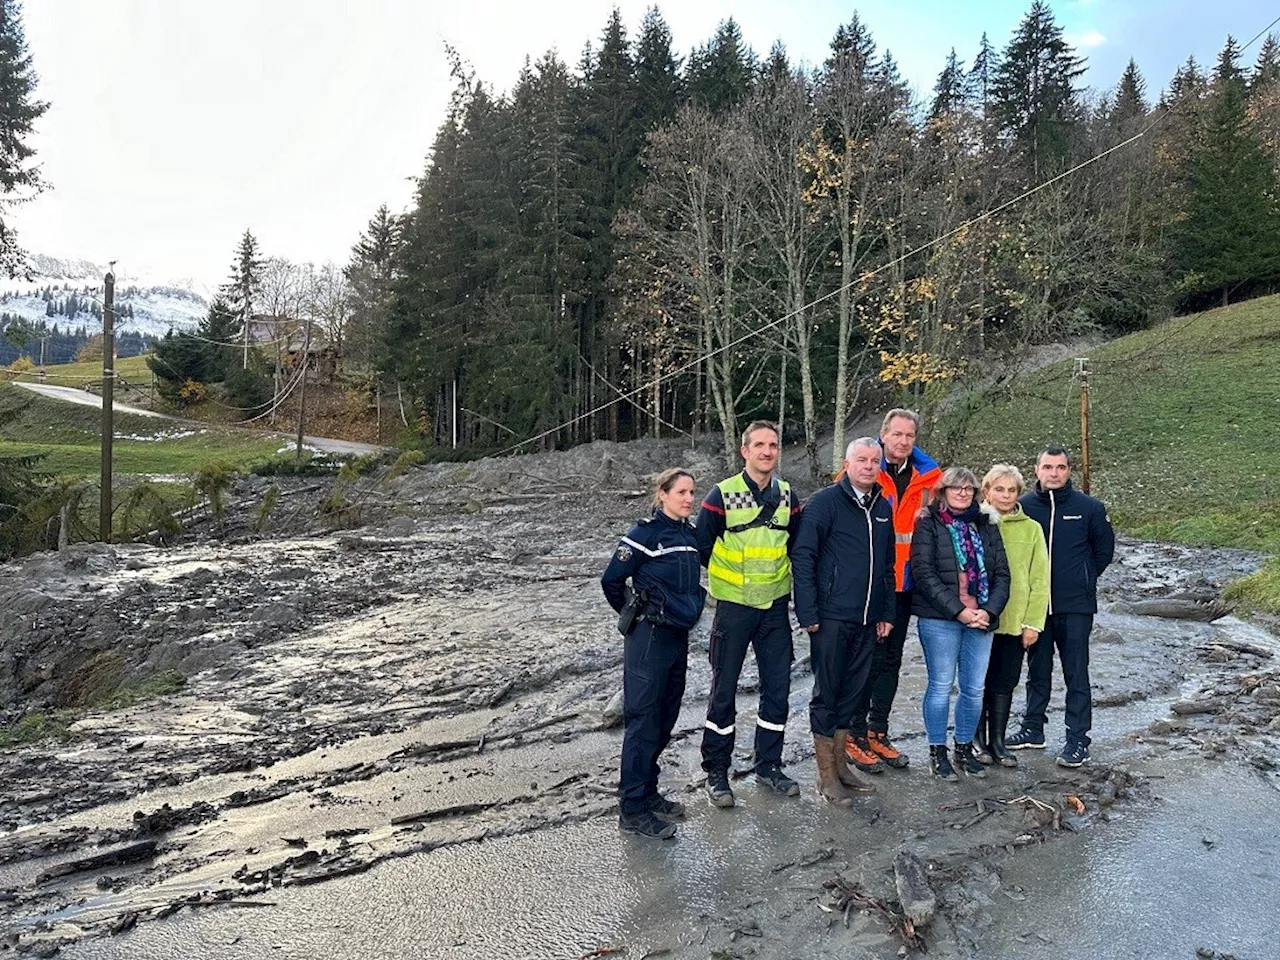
[[886, 751], [860, 755]]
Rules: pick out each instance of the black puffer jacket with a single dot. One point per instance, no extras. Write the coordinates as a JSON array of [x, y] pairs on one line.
[[937, 572]]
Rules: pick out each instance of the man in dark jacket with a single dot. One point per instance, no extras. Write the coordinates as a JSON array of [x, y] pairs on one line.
[[1081, 545], [842, 565]]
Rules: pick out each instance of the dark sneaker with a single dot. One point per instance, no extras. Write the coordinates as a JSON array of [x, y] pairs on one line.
[[646, 824], [1073, 755], [1025, 739], [718, 791], [967, 762], [771, 775], [941, 765], [664, 809]]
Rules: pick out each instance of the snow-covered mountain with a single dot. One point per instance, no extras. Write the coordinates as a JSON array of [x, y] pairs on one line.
[[144, 304]]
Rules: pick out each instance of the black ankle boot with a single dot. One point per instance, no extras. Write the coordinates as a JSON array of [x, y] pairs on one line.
[[964, 760], [1000, 705], [940, 763]]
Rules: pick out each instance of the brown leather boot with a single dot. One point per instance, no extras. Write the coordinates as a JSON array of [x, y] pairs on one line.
[[853, 781], [829, 786]]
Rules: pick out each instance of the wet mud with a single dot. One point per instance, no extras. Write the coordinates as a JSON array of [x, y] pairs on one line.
[[393, 742]]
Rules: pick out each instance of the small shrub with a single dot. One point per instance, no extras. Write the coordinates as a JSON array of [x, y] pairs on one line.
[[213, 482], [248, 390], [406, 460], [266, 508], [35, 727], [192, 392], [139, 691]]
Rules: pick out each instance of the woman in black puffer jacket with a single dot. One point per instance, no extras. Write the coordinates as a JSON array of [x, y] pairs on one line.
[[961, 586], [660, 558]]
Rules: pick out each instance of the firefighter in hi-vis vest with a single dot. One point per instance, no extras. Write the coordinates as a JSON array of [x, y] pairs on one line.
[[907, 478], [744, 531]]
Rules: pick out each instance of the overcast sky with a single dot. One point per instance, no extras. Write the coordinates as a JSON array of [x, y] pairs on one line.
[[174, 125]]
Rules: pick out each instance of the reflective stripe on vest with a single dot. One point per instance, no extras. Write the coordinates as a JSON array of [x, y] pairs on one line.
[[751, 567]]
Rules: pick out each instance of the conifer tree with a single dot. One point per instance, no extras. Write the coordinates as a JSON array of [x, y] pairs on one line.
[[953, 89], [370, 274], [720, 74], [983, 75], [1230, 238], [244, 286], [657, 72], [19, 110], [1131, 96], [1035, 95]]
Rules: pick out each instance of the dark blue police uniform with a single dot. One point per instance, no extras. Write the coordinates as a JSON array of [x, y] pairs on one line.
[[660, 557]]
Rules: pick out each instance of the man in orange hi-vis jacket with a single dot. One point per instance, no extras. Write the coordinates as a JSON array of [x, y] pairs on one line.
[[907, 477]]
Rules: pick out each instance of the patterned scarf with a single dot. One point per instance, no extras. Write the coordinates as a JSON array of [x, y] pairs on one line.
[[968, 547]]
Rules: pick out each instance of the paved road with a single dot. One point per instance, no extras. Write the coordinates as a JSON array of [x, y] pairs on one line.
[[84, 398]]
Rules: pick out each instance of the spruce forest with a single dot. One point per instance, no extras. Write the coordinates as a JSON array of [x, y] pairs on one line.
[[723, 236]]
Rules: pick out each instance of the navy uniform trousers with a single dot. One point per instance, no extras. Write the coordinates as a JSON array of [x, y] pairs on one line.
[[735, 628], [1069, 634], [654, 666]]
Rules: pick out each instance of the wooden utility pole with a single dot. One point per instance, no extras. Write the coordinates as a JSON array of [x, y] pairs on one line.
[[302, 392], [1082, 371], [108, 396]]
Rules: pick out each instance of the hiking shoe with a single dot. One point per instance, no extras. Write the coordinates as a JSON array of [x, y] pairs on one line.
[[771, 775], [646, 824], [1026, 739], [967, 762], [718, 791], [664, 809], [859, 753], [1073, 755], [886, 751], [941, 765]]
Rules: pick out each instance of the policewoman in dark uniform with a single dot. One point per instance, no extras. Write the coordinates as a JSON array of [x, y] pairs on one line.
[[660, 558]]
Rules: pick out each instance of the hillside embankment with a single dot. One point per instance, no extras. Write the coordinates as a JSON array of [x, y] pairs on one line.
[[394, 740]]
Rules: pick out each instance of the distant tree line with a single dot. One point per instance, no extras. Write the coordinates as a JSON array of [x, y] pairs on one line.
[[61, 344], [626, 224]]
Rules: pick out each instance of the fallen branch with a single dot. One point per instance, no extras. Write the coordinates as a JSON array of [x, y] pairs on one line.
[[849, 895], [130, 854]]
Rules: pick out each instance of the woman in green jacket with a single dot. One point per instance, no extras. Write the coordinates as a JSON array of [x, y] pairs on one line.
[[1022, 619]]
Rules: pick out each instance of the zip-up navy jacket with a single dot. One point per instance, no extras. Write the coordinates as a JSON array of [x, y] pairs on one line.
[[660, 556], [1081, 545], [842, 557]]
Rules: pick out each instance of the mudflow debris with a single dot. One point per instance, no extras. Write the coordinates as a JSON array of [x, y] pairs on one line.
[[437, 673]]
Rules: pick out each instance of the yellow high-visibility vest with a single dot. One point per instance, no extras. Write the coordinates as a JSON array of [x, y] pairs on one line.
[[750, 567]]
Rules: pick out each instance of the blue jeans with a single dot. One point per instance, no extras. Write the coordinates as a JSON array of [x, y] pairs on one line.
[[951, 649]]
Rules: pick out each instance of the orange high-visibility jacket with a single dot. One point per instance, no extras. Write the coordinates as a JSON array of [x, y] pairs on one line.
[[924, 475]]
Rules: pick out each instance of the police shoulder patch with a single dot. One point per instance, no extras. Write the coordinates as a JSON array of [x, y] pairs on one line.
[[624, 553]]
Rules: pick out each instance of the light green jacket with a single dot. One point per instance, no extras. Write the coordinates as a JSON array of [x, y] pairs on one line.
[[1029, 568]]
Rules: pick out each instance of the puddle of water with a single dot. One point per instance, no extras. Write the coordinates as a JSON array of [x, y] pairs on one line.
[[1199, 869]]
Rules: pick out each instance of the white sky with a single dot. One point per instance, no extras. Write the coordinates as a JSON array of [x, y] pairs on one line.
[[176, 124]]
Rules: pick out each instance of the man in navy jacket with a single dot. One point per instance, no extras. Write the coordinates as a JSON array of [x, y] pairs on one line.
[[1081, 545], [842, 567]]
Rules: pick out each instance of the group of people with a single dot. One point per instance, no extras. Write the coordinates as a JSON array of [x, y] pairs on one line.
[[992, 572]]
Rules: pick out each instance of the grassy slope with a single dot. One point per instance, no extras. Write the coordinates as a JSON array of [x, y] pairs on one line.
[[1185, 426], [133, 369], [68, 436]]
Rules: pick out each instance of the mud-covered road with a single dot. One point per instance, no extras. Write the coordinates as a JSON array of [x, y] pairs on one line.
[[392, 744]]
